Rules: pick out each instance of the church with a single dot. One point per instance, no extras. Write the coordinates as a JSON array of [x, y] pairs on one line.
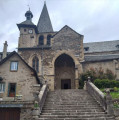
[[60, 57], [45, 56]]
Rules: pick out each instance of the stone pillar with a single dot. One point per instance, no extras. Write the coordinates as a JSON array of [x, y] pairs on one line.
[[85, 88], [109, 103], [5, 50]]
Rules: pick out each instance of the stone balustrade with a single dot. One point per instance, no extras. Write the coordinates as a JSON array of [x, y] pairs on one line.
[[42, 96], [104, 101]]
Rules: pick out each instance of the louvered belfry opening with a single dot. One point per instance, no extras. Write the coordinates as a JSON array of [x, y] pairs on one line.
[[64, 72]]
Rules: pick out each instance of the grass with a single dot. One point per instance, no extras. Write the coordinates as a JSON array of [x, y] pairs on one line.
[[115, 95]]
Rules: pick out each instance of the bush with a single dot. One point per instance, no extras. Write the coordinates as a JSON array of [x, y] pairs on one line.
[[105, 83], [97, 74], [115, 89]]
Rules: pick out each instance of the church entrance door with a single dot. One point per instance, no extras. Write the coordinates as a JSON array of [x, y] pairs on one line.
[[66, 84], [64, 72]]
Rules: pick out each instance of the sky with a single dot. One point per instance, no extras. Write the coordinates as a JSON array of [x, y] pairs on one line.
[[97, 20]]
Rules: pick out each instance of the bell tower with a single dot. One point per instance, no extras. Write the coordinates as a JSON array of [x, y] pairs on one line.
[[28, 31]]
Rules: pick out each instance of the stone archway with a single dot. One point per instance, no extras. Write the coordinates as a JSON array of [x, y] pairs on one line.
[[64, 72]]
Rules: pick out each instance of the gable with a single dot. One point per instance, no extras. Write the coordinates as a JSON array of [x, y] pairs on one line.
[[66, 31], [22, 65], [67, 38]]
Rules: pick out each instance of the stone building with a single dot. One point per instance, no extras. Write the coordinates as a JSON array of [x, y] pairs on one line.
[[44, 55], [18, 83], [60, 57], [55, 55]]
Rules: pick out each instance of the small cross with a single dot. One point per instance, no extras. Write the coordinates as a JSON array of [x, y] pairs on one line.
[[28, 7]]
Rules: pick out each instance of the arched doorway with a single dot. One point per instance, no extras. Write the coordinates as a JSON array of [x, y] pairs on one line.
[[64, 72]]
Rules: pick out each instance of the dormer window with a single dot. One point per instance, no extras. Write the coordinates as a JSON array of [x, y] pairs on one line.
[[117, 46], [86, 48]]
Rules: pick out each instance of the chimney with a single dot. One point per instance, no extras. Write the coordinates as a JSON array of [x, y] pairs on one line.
[[5, 50]]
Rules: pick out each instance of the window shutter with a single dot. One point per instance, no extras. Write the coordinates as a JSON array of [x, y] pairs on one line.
[[8, 89], [4, 87]]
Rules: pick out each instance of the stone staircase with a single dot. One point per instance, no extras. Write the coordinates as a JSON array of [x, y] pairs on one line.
[[72, 105]]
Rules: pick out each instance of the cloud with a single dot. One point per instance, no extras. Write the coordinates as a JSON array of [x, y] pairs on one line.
[[97, 20]]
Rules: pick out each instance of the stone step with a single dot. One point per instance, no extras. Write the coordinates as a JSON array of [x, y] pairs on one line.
[[72, 105], [110, 118], [74, 116], [68, 111], [73, 113], [75, 105], [72, 108]]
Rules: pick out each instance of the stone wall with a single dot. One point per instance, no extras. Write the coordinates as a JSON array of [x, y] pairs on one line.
[[23, 78], [65, 41], [27, 39], [111, 65]]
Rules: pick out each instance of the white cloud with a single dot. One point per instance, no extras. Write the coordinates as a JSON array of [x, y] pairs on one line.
[[97, 20]]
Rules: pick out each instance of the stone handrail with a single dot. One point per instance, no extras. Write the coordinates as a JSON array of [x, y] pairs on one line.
[[104, 101], [42, 96], [97, 94]]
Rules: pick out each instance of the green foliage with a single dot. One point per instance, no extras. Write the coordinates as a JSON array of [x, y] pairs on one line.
[[115, 95], [115, 89], [110, 75], [105, 83], [99, 74], [36, 105], [116, 105]]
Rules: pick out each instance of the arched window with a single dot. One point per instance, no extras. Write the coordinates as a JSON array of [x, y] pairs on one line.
[[49, 40], [41, 40], [35, 64]]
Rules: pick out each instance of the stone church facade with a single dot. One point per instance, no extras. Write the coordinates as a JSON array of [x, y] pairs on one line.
[[60, 57], [55, 55]]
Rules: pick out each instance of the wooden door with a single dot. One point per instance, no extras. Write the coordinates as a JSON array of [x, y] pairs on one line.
[[9, 113], [12, 89], [65, 84]]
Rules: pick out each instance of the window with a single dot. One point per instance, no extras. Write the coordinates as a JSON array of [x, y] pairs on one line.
[[117, 46], [86, 48], [12, 90], [48, 39], [41, 40], [35, 64], [0, 56], [24, 30], [14, 66], [2, 87]]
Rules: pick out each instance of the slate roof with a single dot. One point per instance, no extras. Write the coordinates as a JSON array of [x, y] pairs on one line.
[[44, 23], [27, 22], [102, 46], [13, 53], [96, 58]]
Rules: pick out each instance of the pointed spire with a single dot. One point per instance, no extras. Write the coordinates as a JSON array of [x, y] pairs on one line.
[[44, 23]]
